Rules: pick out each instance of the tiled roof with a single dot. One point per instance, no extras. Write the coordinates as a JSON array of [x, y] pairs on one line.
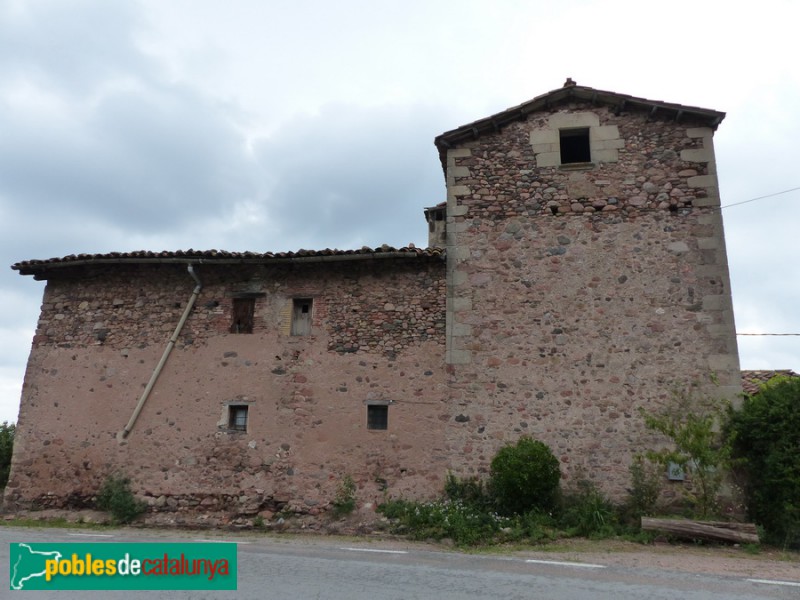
[[571, 91], [753, 380], [40, 268]]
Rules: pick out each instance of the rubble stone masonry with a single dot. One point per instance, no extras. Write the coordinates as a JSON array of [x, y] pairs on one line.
[[377, 336], [581, 293]]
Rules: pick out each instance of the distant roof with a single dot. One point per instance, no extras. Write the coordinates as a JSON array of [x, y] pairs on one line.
[[40, 269], [753, 380], [572, 91]]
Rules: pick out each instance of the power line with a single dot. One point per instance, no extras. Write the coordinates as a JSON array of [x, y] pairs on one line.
[[794, 189], [779, 334]]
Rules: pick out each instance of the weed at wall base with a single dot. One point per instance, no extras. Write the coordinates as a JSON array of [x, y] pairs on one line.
[[115, 496], [345, 501]]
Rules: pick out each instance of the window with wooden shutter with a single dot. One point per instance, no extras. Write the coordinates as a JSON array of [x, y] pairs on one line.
[[243, 312]]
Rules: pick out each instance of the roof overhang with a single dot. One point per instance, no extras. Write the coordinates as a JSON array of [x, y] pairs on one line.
[[569, 93], [43, 269]]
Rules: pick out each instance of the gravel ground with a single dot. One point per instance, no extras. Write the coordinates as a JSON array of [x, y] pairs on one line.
[[764, 563]]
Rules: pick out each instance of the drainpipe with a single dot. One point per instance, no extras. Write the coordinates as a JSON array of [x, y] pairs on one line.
[[124, 433]]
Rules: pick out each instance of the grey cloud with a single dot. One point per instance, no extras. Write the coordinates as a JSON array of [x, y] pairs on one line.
[[135, 162], [354, 173], [142, 157], [70, 45]]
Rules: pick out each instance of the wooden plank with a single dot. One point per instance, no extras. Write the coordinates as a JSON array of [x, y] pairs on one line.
[[701, 530]]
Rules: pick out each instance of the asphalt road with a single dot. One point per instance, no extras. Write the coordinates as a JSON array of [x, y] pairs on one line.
[[337, 569]]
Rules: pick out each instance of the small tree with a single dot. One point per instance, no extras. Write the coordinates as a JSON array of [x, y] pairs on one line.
[[646, 483], [765, 435], [700, 449], [524, 477], [6, 450]]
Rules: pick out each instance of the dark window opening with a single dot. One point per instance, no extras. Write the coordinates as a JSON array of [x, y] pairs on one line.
[[377, 416], [575, 146], [243, 311], [301, 316], [237, 417]]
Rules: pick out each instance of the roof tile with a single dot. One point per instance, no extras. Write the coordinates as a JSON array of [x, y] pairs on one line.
[[753, 380]]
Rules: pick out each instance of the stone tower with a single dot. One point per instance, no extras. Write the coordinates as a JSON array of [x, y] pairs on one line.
[[587, 276]]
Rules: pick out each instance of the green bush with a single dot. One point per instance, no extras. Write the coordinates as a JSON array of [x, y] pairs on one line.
[[465, 525], [471, 491], [586, 512], [646, 483], [6, 449], [115, 496], [765, 435], [534, 527], [524, 477], [345, 501]]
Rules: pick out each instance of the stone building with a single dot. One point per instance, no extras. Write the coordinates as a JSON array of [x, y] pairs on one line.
[[576, 273]]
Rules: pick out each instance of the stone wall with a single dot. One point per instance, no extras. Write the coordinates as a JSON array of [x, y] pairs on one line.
[[581, 293], [355, 308], [377, 336]]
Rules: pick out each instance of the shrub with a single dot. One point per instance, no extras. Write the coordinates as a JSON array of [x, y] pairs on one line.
[[534, 527], [465, 525], [6, 449], [765, 435], [524, 477], [700, 449], [646, 482], [116, 497], [586, 512], [345, 501], [471, 491]]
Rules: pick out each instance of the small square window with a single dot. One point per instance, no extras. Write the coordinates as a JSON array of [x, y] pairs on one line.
[[301, 316], [243, 311], [575, 146], [377, 416], [237, 417]]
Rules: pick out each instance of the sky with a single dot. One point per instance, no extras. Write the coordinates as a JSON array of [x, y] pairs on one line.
[[266, 125]]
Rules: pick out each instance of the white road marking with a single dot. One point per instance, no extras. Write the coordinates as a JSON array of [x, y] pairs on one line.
[[90, 534], [775, 582], [222, 542], [375, 550], [565, 564]]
